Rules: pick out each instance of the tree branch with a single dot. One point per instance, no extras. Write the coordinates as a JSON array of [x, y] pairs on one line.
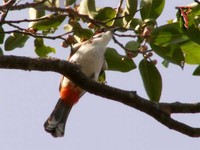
[[36, 35], [6, 8], [7, 5], [21, 6], [160, 111], [56, 10]]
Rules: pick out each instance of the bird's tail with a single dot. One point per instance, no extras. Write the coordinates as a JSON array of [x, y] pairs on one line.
[[55, 124]]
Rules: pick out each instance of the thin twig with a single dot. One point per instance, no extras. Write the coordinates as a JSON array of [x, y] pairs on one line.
[[26, 20], [27, 5], [38, 35], [121, 45], [6, 9], [15, 26], [7, 5]]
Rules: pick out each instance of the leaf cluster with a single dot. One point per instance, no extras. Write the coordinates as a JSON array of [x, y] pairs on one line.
[[172, 42]]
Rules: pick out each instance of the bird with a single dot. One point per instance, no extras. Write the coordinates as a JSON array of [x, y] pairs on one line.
[[89, 55]]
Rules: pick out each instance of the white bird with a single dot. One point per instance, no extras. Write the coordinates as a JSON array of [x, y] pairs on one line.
[[90, 56]]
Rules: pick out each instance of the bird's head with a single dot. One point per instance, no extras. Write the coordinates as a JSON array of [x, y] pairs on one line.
[[102, 37]]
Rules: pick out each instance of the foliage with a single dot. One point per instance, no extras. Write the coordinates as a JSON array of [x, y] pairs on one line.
[[151, 78], [15, 40], [172, 42], [117, 62]]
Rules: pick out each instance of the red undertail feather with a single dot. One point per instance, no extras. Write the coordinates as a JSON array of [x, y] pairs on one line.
[[70, 94], [55, 124]]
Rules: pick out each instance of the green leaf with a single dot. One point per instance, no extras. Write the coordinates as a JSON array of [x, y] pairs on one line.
[[82, 33], [171, 53], [105, 14], [52, 3], [136, 24], [119, 23], [1, 52], [151, 8], [168, 34], [91, 7], [165, 63], [41, 49], [83, 8], [69, 2], [2, 35], [192, 33], [117, 62], [87, 7], [166, 40], [68, 27], [133, 47], [36, 12], [197, 71], [16, 40], [102, 77], [130, 9], [152, 80], [50, 21], [191, 51]]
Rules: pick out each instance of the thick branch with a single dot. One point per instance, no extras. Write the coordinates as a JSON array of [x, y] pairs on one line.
[[160, 111], [178, 107]]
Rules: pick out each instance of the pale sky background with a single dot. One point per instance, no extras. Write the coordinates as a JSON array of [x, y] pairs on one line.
[[95, 123]]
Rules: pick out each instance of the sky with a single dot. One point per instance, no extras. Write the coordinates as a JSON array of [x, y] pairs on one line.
[[28, 98]]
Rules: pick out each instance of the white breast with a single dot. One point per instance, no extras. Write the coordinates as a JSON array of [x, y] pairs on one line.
[[90, 57]]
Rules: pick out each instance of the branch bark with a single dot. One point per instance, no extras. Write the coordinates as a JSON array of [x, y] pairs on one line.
[[160, 111], [20, 7]]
